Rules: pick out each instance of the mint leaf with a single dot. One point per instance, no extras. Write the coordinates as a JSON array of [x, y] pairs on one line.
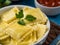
[[20, 14], [30, 18], [21, 22]]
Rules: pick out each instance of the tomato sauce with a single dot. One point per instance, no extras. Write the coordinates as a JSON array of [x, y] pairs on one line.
[[49, 3]]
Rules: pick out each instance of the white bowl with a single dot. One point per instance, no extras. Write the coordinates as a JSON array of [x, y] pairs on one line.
[[21, 6], [48, 10]]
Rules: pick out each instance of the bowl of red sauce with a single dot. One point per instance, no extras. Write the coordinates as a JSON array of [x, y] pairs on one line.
[[49, 7]]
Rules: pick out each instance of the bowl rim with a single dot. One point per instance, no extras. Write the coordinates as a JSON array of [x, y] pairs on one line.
[[46, 6], [48, 22]]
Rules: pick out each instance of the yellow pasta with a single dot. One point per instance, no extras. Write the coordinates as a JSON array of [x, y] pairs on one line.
[[3, 35], [24, 43], [10, 15], [10, 42], [36, 13], [3, 25], [17, 31], [34, 37], [13, 42], [41, 29], [5, 41], [28, 38], [13, 32]]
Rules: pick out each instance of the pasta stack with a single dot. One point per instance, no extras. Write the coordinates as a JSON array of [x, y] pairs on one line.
[[12, 33]]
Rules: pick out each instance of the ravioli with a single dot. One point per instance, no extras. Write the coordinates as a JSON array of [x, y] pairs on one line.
[[36, 12], [17, 31], [10, 15], [3, 35], [3, 25], [34, 36], [24, 32], [41, 30], [28, 38]]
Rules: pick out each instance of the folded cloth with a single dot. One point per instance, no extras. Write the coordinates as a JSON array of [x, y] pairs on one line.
[[56, 41]]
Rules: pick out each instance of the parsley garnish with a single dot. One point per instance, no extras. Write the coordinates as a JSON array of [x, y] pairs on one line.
[[21, 22], [20, 14], [30, 18]]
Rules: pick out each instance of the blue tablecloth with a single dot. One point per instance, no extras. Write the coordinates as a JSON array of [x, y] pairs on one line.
[[55, 19], [56, 40]]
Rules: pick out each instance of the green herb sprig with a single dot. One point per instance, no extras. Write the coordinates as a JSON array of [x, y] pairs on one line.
[[28, 18], [21, 22], [20, 14]]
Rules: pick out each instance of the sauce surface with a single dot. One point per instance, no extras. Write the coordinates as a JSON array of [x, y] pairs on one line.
[[49, 3]]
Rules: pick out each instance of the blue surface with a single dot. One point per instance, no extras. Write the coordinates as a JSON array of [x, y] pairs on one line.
[[56, 40], [55, 19]]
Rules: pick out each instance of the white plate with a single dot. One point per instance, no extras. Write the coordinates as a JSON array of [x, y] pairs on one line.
[[21, 6]]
